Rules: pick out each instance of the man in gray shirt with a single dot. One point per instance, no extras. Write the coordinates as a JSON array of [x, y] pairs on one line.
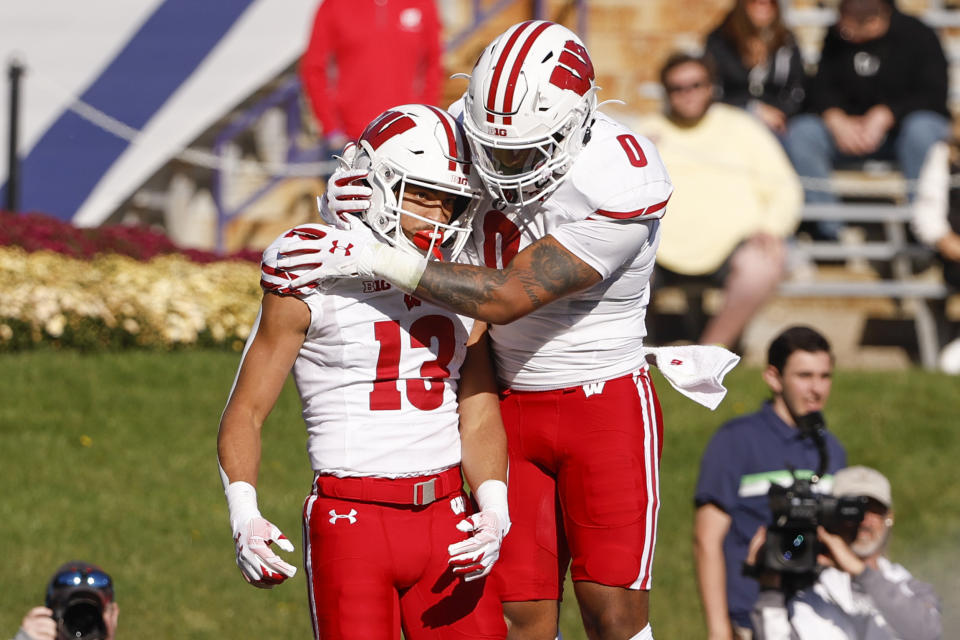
[[860, 594]]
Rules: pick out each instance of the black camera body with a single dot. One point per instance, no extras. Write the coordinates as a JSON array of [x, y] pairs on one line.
[[792, 544], [79, 614]]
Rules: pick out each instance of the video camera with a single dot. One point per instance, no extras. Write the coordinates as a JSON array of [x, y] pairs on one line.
[[792, 546]]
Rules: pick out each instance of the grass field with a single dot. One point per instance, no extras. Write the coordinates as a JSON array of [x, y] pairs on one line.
[[111, 458]]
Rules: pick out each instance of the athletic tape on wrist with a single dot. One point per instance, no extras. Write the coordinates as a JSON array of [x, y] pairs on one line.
[[492, 495], [241, 503], [395, 265]]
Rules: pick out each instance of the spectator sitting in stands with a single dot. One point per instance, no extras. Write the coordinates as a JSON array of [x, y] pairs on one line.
[[758, 64], [880, 93], [936, 221], [736, 198], [385, 53]]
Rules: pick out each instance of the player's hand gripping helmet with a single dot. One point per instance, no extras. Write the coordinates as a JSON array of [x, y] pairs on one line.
[[528, 109], [420, 145]]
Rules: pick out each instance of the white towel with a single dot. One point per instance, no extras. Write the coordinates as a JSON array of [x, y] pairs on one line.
[[696, 371]]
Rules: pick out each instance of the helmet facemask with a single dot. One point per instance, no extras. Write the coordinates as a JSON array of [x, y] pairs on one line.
[[519, 172], [385, 216]]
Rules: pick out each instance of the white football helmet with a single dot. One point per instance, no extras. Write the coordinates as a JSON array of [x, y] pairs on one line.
[[528, 109], [418, 144]]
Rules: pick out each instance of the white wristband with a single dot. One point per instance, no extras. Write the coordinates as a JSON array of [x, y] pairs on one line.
[[492, 495], [395, 265], [242, 503]]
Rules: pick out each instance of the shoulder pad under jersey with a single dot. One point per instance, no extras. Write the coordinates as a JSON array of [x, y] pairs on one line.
[[619, 174]]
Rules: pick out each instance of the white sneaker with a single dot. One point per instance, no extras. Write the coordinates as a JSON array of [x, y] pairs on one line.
[[950, 358]]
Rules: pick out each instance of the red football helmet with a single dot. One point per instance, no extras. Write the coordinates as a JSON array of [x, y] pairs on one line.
[[528, 109]]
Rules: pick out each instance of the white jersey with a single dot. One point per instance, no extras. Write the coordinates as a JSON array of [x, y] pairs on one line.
[[377, 375], [606, 212]]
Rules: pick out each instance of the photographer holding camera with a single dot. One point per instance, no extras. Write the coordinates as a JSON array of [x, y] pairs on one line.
[[859, 594], [79, 606], [748, 455]]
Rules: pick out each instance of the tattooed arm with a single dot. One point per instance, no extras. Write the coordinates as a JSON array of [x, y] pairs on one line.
[[538, 275]]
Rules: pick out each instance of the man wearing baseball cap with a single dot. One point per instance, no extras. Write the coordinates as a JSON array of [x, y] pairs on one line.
[[79, 604], [860, 594]]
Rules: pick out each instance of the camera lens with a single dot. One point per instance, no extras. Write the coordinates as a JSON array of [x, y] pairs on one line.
[[84, 620], [793, 547]]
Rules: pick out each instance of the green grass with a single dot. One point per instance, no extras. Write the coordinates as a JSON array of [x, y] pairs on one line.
[[111, 458]]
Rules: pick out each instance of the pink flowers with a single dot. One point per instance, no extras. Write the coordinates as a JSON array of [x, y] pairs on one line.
[[39, 232]]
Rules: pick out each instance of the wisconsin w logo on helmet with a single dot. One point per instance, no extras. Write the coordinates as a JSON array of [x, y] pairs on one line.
[[574, 70]]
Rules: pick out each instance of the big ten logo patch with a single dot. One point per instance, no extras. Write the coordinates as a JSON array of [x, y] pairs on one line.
[[372, 286]]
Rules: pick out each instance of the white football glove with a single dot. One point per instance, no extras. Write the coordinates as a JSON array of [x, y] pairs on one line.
[[259, 565], [345, 197], [297, 261], [474, 557], [252, 537]]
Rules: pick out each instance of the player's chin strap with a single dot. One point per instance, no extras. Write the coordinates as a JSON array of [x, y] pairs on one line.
[[696, 371]]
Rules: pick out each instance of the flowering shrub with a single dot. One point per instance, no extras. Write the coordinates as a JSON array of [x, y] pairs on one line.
[[38, 232], [112, 301]]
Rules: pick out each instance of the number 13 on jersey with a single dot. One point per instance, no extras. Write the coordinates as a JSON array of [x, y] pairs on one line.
[[426, 391]]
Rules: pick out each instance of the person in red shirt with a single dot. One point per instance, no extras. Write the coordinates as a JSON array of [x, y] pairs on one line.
[[384, 52]]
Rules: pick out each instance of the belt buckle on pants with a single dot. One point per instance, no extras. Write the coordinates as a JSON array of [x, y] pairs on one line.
[[425, 492]]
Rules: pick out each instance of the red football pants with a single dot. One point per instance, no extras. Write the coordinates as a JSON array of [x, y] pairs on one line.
[[584, 486], [374, 567]]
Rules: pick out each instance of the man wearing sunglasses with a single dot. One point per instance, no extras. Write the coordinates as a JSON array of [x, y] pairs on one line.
[[737, 198], [79, 604]]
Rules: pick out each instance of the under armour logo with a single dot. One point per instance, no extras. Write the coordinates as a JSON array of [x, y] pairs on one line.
[[336, 245], [592, 388], [351, 517], [458, 506], [676, 362], [410, 301]]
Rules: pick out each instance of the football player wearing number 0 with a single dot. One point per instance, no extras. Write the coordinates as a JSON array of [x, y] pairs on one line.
[[398, 397]]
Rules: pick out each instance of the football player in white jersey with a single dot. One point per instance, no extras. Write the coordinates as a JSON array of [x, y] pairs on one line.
[[562, 254], [398, 396]]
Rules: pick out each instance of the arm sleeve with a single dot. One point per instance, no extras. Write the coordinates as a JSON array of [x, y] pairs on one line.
[[728, 68], [793, 93], [313, 69], [911, 608], [778, 187], [770, 618], [929, 76], [606, 245], [930, 208], [825, 87], [433, 57], [718, 482]]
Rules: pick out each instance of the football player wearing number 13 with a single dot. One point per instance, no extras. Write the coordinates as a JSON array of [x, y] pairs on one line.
[[397, 396], [561, 256]]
